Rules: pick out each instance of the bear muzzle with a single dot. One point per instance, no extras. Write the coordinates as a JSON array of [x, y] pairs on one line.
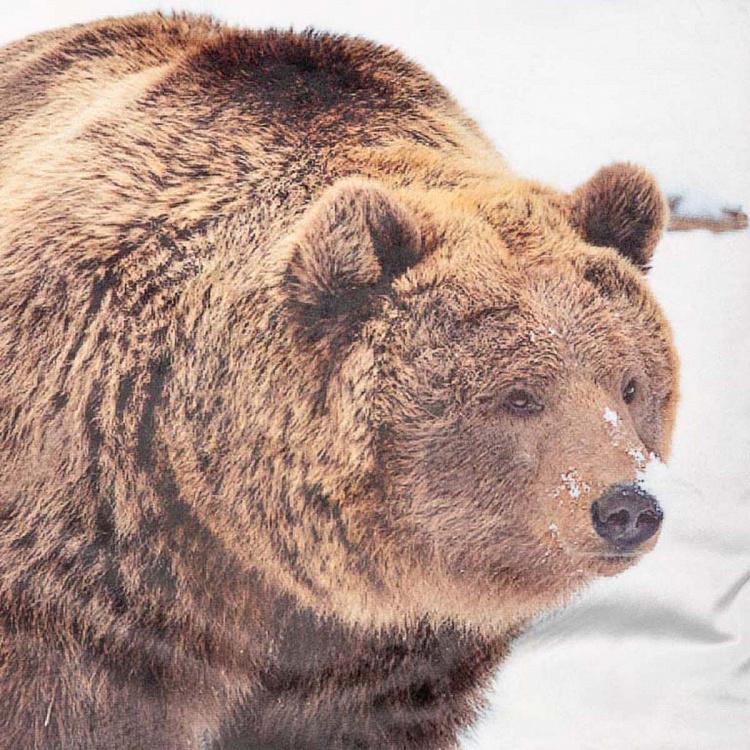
[[626, 516]]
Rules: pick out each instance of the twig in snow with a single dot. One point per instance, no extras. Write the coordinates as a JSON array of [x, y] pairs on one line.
[[729, 220]]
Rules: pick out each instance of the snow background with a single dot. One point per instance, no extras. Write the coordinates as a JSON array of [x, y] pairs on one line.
[[659, 657]]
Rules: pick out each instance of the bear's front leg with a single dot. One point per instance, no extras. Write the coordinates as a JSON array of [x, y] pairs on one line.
[[334, 689]]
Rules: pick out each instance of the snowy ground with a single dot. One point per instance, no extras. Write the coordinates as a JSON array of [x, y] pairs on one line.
[[659, 657]]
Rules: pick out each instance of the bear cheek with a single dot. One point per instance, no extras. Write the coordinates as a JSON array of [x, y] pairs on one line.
[[494, 502]]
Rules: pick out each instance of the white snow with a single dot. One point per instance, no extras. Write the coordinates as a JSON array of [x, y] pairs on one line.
[[570, 481], [612, 417], [656, 658], [637, 455], [696, 202]]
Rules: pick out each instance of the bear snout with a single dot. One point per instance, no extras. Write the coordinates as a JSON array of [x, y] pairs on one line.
[[626, 515]]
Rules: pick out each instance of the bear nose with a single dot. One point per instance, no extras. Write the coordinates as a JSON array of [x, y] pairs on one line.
[[626, 515]]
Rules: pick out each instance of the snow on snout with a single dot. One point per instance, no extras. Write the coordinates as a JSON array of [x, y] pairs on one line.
[[572, 482], [652, 474], [638, 457], [611, 417], [614, 424]]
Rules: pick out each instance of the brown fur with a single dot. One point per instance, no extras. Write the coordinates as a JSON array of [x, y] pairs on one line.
[[262, 296]]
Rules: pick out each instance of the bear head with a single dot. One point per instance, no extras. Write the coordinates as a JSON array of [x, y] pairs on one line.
[[497, 375]]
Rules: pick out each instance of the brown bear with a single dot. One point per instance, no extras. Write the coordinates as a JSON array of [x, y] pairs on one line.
[[307, 402]]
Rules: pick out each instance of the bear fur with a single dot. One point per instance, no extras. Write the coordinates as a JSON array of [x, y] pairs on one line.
[[301, 390]]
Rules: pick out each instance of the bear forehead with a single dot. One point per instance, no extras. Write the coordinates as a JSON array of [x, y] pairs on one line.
[[535, 318], [544, 288]]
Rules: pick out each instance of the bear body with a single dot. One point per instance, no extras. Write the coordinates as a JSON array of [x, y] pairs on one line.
[[305, 398]]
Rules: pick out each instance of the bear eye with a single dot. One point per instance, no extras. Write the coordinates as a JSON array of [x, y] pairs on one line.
[[520, 401], [629, 391]]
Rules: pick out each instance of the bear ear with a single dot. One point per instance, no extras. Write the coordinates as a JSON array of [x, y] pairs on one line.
[[621, 207], [350, 245]]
